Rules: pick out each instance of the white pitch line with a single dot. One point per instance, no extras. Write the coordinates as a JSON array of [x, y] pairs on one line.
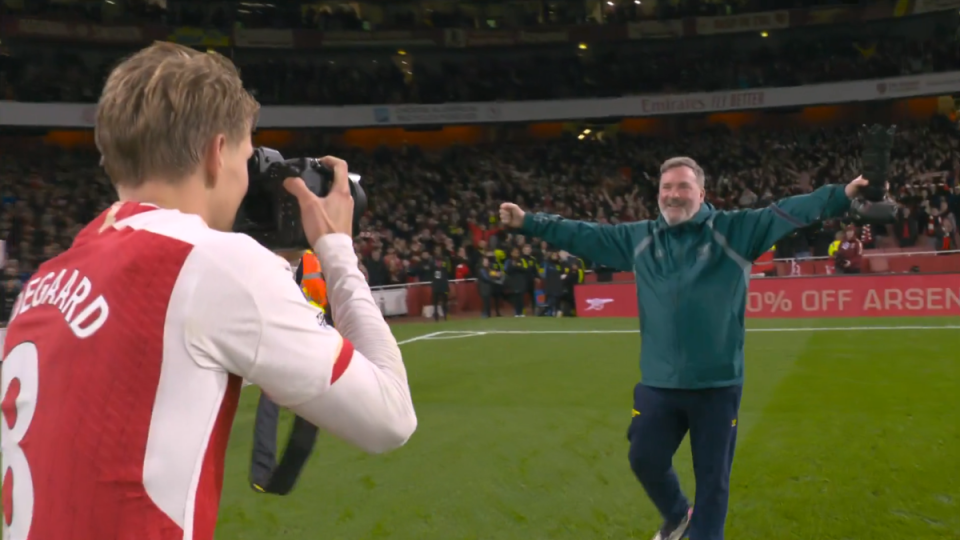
[[419, 338], [453, 334], [852, 328], [456, 334], [810, 329]]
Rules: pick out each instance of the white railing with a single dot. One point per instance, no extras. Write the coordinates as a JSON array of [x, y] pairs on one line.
[[392, 299], [411, 284], [870, 253]]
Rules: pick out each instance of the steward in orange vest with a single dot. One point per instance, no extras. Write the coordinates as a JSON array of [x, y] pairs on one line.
[[310, 280], [270, 472]]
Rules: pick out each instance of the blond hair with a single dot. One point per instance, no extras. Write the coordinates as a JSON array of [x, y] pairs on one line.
[[162, 106], [683, 161]]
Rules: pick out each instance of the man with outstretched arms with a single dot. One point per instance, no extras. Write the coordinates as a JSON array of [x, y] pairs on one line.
[[692, 266]]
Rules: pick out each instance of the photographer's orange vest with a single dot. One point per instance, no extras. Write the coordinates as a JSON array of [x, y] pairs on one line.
[[312, 284]]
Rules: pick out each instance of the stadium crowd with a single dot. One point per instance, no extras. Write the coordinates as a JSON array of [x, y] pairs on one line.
[[602, 73], [42, 74], [33, 71], [312, 15], [444, 205]]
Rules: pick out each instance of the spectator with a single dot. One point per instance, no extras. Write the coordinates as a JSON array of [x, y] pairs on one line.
[[442, 202], [37, 72], [516, 281], [906, 228], [947, 237], [850, 253], [377, 269]]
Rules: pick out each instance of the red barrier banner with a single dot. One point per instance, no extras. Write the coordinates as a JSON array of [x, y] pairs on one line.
[[899, 295], [606, 300]]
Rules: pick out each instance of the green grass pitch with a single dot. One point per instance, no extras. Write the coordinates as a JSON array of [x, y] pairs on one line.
[[844, 434]]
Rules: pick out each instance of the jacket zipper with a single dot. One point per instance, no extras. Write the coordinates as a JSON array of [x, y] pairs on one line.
[[681, 360]]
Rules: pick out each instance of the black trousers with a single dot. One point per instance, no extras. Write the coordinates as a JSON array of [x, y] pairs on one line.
[[440, 299], [553, 303], [661, 419], [518, 302], [495, 298], [267, 475], [567, 303]]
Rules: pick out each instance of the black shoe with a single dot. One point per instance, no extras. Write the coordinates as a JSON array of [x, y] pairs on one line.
[[677, 531]]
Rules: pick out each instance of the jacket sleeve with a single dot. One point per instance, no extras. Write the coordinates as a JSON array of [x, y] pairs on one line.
[[610, 245], [751, 232]]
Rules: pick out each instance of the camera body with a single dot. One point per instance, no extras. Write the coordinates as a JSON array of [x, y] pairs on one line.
[[269, 214], [877, 145], [872, 206]]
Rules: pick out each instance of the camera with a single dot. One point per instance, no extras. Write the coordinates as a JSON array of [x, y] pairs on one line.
[[872, 206], [877, 145], [269, 214]]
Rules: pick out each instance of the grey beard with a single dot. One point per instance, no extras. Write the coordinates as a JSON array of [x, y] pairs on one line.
[[674, 221]]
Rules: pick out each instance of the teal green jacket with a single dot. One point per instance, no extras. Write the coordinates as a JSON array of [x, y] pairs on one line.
[[691, 278]]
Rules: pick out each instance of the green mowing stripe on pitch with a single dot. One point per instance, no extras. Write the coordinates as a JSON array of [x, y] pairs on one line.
[[462, 334], [866, 425], [522, 437], [415, 329], [776, 357]]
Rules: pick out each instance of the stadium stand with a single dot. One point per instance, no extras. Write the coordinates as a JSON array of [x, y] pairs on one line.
[[443, 200], [40, 70]]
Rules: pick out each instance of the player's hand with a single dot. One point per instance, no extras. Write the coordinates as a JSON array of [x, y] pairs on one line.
[[511, 215], [853, 188], [328, 215]]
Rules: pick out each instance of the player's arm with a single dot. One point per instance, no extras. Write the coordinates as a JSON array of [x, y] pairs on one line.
[[752, 232], [609, 245], [252, 320]]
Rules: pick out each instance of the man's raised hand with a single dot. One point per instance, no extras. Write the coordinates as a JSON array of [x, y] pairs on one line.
[[511, 215], [328, 215], [853, 188]]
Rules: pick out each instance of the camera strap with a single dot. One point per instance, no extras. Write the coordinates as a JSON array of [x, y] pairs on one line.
[[267, 474]]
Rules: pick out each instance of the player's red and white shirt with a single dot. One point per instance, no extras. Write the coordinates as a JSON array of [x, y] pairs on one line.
[[123, 363]]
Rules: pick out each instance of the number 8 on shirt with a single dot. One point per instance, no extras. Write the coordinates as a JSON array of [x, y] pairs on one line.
[[19, 402]]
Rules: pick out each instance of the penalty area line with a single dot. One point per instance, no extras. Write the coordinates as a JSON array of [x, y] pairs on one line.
[[419, 338], [445, 334]]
